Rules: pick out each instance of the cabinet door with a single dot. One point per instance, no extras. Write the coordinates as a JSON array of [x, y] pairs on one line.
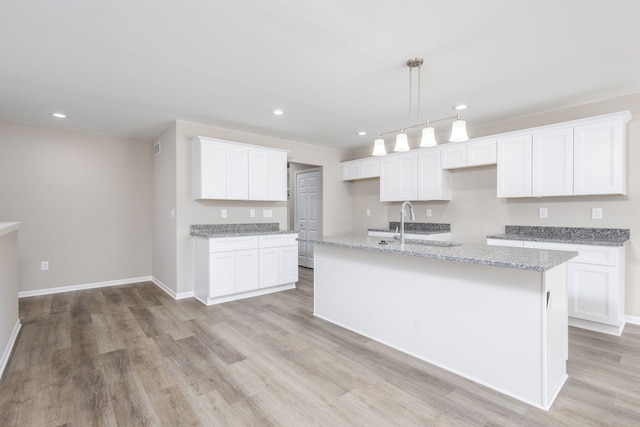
[[399, 178], [389, 170], [247, 270], [288, 264], [209, 170], [277, 176], [222, 275], [258, 174], [481, 153], [269, 267], [454, 156], [514, 166], [599, 158], [553, 163], [593, 292], [351, 170], [433, 182], [237, 172]]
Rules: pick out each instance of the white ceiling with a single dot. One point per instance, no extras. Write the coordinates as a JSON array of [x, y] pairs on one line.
[[334, 66]]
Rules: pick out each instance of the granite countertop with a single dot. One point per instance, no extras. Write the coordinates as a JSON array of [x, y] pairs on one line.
[[237, 230], [496, 256], [416, 228], [8, 227], [572, 235]]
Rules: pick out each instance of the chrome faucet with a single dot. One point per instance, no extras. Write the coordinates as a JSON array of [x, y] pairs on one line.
[[413, 218]]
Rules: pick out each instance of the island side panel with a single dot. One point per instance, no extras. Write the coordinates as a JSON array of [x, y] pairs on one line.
[[557, 331], [481, 322]]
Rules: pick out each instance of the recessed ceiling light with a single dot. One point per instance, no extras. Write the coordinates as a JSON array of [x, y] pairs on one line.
[[460, 107], [362, 133], [278, 112], [59, 115]]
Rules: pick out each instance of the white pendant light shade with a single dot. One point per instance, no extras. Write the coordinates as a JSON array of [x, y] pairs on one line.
[[378, 147], [428, 137], [459, 131], [402, 142]]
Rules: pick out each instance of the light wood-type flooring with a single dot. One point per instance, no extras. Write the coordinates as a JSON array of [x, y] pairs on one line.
[[132, 356]]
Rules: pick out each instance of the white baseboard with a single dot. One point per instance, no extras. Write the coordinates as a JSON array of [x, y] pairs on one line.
[[635, 320], [9, 347], [171, 292], [84, 286]]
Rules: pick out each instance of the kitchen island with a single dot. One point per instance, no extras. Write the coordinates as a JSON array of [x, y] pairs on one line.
[[495, 315]]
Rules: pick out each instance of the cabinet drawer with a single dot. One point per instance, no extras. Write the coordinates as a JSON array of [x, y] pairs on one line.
[[277, 240], [504, 242], [600, 255], [225, 244]]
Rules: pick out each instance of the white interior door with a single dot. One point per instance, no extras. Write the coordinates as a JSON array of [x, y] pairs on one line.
[[307, 213]]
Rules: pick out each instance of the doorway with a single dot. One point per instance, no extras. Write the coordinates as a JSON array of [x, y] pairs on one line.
[[307, 211]]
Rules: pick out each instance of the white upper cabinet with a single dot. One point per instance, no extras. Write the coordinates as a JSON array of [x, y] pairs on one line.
[[473, 153], [600, 158], [237, 172], [399, 177], [582, 157], [514, 166], [553, 163], [360, 169], [434, 183], [231, 171], [267, 175], [209, 170]]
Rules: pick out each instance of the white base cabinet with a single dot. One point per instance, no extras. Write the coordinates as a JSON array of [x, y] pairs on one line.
[[595, 283], [231, 268]]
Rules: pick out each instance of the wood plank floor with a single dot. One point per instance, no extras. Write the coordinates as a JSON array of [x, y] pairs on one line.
[[131, 355]]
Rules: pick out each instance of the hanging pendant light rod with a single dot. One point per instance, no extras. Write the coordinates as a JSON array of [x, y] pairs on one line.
[[458, 127]]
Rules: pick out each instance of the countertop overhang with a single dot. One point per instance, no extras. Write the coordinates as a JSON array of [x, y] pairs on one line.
[[497, 256]]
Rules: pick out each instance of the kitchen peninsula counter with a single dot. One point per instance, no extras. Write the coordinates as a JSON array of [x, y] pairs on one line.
[[494, 315]]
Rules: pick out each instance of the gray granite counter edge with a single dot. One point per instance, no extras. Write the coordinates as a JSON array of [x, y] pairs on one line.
[[240, 234], [455, 258], [575, 241]]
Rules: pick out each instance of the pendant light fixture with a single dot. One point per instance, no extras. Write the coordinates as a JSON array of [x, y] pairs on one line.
[[458, 127]]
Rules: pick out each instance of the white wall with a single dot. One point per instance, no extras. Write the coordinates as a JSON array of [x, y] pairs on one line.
[[8, 290], [164, 207], [84, 200], [475, 211]]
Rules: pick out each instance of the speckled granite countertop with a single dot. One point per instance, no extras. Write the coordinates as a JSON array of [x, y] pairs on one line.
[[573, 235], [416, 228], [496, 256], [235, 230]]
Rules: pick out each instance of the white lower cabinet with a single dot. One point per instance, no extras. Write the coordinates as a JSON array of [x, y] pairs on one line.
[[595, 283], [231, 268]]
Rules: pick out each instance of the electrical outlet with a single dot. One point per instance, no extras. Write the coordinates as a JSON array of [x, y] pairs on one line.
[[223, 213], [368, 212], [44, 265], [267, 213], [543, 213], [173, 213], [252, 213], [429, 213], [596, 213]]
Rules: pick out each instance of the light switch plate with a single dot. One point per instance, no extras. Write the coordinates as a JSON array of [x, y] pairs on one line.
[[368, 212], [252, 213], [267, 213], [543, 213], [596, 213], [429, 213]]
